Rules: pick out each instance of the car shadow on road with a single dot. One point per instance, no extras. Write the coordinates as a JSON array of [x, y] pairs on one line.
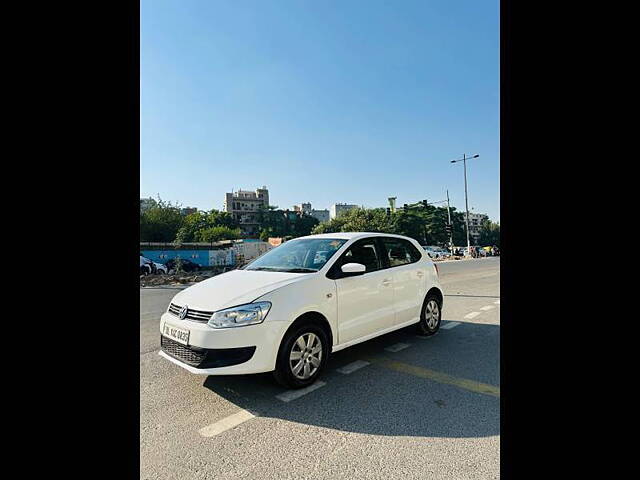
[[377, 400]]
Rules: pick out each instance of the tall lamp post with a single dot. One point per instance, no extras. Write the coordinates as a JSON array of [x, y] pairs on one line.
[[466, 201]]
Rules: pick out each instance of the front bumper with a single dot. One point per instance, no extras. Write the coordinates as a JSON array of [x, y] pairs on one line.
[[226, 345]]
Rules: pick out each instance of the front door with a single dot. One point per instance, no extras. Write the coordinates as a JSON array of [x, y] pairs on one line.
[[365, 302]]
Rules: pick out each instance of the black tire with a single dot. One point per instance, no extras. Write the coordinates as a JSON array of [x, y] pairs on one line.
[[283, 373], [426, 326]]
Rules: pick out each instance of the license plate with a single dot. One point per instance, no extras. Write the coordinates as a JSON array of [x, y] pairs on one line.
[[180, 335]]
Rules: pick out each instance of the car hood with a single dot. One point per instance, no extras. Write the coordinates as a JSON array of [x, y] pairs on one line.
[[233, 288]]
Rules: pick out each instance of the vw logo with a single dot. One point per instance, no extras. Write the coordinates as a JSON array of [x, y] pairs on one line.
[[183, 312]]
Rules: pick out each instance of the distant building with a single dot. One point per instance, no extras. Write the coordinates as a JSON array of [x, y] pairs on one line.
[[305, 208], [338, 209], [188, 210], [475, 224], [243, 205], [146, 204]]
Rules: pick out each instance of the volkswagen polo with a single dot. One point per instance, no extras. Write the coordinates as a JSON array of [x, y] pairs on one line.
[[290, 308]]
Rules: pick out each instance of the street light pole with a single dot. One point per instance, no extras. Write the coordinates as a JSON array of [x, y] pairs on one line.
[[466, 200], [450, 225]]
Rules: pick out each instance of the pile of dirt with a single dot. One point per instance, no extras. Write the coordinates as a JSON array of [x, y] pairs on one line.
[[174, 279]]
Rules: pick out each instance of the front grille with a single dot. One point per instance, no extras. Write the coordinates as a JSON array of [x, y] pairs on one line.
[[195, 315], [182, 352], [206, 357]]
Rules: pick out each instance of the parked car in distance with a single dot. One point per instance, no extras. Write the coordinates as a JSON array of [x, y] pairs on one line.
[[160, 268], [187, 265], [436, 252], [146, 266], [288, 310]]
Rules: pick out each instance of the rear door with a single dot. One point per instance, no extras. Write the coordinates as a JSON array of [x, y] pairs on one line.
[[365, 302], [409, 277]]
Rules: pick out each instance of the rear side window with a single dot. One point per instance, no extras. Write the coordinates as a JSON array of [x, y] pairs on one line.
[[400, 252]]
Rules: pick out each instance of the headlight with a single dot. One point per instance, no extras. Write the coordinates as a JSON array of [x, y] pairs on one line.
[[240, 316]]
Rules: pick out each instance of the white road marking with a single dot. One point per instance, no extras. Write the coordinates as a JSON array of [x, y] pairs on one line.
[[293, 394], [472, 315], [428, 336], [226, 423], [353, 366], [449, 325], [487, 307], [397, 347], [497, 302]]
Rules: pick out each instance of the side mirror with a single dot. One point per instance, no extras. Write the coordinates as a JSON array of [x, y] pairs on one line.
[[353, 269]]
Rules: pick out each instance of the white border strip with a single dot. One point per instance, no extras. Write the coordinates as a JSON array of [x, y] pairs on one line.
[[293, 394], [487, 307], [397, 347], [471, 315], [226, 423], [449, 325], [353, 366]]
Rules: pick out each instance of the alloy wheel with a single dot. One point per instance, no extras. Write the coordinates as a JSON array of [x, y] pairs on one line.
[[305, 356], [432, 314]]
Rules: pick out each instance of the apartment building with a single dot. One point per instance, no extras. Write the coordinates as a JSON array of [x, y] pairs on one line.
[[243, 205], [321, 215], [338, 209], [475, 224]]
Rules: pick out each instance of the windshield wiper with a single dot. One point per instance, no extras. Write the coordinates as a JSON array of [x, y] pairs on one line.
[[287, 270]]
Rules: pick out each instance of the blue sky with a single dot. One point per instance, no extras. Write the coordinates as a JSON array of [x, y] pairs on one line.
[[322, 101]]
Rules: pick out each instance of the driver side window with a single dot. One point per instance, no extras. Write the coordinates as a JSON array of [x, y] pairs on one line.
[[364, 252]]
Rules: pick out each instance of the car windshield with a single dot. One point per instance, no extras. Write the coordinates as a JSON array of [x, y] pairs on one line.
[[298, 256]]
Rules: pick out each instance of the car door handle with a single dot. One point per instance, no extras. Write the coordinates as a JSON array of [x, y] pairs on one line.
[[386, 282], [420, 273]]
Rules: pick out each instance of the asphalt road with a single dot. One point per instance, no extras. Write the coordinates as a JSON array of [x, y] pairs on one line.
[[426, 408]]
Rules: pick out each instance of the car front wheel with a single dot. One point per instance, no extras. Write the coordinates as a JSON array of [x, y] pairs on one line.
[[430, 316], [302, 356]]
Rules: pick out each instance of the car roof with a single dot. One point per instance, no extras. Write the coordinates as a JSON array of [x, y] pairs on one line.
[[353, 235]]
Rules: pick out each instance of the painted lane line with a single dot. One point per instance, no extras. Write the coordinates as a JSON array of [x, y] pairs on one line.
[[226, 423], [472, 315], [428, 336], [497, 302], [397, 347], [487, 307], [293, 394], [450, 325], [353, 366], [439, 377]]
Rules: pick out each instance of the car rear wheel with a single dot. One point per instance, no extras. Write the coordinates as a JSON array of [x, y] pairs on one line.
[[430, 316], [302, 356]]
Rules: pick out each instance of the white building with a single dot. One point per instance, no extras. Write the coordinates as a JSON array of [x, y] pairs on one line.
[[321, 215], [244, 206], [475, 224], [338, 209]]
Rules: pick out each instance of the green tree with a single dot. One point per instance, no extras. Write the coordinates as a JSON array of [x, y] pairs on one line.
[[303, 225], [283, 223], [358, 220], [426, 225], [489, 234], [215, 234], [161, 222], [200, 221]]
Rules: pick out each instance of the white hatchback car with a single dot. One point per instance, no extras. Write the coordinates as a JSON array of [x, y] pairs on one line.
[[290, 308]]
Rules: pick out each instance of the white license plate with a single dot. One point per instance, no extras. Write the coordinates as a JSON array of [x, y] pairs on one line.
[[180, 335]]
